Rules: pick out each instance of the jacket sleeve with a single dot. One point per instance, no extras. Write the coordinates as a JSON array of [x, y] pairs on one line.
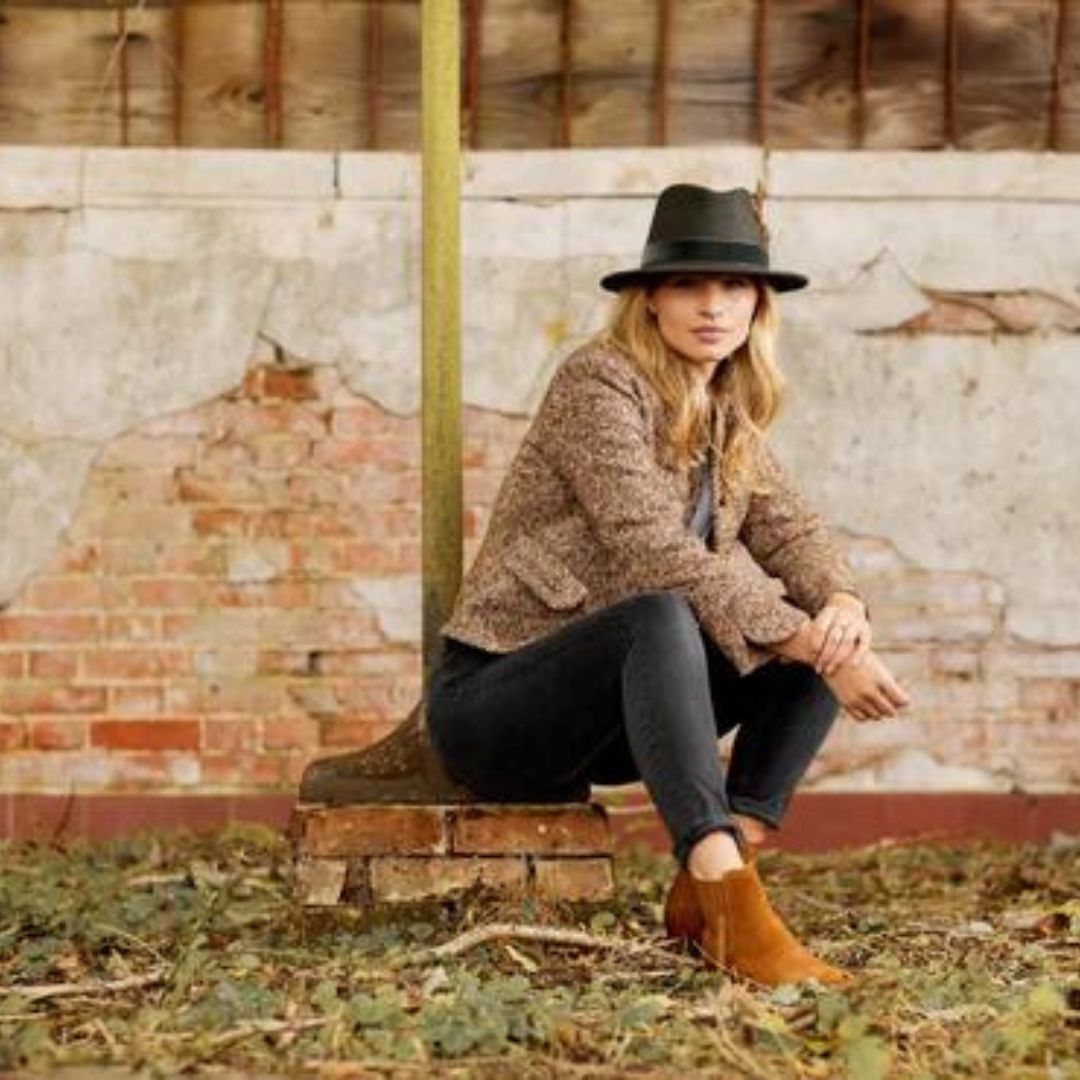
[[791, 540], [595, 430]]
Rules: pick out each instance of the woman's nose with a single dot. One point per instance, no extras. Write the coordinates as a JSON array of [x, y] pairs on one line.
[[711, 301]]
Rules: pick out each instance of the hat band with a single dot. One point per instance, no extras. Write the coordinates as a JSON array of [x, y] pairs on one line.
[[703, 251]]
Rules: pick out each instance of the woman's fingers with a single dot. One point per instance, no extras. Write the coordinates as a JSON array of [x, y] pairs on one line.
[[822, 637], [896, 693], [862, 648], [837, 645]]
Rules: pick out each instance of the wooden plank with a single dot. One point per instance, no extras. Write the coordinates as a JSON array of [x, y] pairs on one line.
[[712, 72], [325, 69], [1069, 80], [614, 73], [1006, 50], [812, 57], [60, 76], [222, 74], [399, 120], [906, 76], [518, 80]]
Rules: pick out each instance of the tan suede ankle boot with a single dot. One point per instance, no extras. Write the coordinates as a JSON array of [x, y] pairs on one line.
[[683, 920], [742, 933]]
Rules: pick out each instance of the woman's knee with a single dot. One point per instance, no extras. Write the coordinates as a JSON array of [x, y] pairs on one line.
[[663, 611]]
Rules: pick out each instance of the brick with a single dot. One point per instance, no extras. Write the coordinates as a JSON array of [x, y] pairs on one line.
[[370, 485], [12, 733], [283, 417], [55, 733], [124, 557], [225, 663], [216, 522], [961, 662], [158, 734], [253, 696], [231, 735], [280, 451], [934, 626], [49, 628], [272, 595], [224, 488], [320, 882], [574, 879], [363, 420], [351, 733], [290, 733], [1054, 695], [175, 594], [136, 700], [13, 664], [557, 830], [351, 831], [78, 558], [288, 662], [282, 384], [53, 664], [390, 452], [201, 558], [148, 522], [316, 489], [63, 594], [132, 663], [124, 629], [1044, 663], [421, 878], [136, 486], [44, 697], [232, 627], [222, 455], [319, 700]]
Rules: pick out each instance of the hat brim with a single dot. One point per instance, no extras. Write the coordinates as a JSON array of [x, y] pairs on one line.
[[780, 280]]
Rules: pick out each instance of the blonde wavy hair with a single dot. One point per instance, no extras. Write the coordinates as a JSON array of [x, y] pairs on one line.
[[749, 379]]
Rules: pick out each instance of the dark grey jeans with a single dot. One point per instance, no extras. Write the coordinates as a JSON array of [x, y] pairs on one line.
[[633, 691]]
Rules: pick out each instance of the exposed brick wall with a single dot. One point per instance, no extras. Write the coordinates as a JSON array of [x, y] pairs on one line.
[[201, 627]]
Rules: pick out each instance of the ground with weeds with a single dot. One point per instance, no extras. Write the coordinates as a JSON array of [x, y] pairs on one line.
[[178, 952]]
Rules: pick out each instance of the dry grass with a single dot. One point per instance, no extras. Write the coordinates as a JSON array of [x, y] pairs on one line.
[[169, 953]]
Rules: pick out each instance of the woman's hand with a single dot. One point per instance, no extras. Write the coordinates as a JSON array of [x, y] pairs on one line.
[[839, 634], [867, 689]]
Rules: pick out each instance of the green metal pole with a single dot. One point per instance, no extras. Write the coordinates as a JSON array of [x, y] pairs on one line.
[[441, 319]]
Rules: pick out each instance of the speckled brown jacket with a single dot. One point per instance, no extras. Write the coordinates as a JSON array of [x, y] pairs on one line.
[[587, 516]]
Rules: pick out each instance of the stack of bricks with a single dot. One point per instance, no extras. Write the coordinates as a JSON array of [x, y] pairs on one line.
[[368, 855]]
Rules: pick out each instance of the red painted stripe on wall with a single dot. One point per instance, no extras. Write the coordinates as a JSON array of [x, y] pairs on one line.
[[815, 822]]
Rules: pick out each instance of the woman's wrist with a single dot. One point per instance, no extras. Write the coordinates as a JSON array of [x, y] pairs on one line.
[[798, 646], [849, 599]]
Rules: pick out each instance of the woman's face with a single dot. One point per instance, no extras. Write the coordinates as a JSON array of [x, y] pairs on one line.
[[704, 317]]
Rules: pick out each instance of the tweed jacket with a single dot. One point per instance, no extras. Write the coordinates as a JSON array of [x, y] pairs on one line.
[[588, 515]]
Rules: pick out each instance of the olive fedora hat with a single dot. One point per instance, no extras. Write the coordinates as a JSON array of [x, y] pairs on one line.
[[697, 229]]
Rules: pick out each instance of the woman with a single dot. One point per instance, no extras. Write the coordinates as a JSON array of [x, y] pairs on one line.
[[651, 579]]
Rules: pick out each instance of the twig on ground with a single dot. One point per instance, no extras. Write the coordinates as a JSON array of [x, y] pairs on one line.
[[92, 988], [547, 935]]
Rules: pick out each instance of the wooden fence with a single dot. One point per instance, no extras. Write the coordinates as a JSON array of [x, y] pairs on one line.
[[344, 74]]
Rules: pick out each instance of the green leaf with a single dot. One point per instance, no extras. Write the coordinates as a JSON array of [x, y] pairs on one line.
[[866, 1058], [1045, 1000]]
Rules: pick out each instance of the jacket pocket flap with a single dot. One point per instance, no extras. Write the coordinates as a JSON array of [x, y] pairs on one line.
[[545, 574]]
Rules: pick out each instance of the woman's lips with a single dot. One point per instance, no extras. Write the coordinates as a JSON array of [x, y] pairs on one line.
[[710, 333]]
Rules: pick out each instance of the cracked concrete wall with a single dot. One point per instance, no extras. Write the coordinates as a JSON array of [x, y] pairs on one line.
[[141, 283]]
